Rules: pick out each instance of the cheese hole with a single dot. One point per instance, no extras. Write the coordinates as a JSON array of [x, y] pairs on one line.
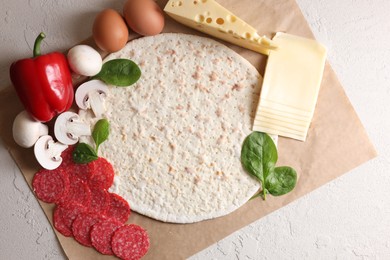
[[220, 21], [231, 18], [248, 35], [209, 20], [230, 31], [195, 2], [180, 3], [199, 18]]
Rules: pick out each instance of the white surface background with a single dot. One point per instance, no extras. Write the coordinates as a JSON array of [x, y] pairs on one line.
[[348, 218]]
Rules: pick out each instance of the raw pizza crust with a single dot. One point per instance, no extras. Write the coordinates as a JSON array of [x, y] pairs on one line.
[[176, 134]]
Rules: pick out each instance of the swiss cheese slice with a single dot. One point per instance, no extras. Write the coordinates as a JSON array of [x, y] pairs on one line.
[[290, 87], [210, 17]]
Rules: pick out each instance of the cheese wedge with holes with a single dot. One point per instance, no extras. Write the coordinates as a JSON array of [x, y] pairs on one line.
[[210, 17], [290, 87]]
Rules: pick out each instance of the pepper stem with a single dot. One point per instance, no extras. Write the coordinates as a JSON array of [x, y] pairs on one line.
[[37, 44]]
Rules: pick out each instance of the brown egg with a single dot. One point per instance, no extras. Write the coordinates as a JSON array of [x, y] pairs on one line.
[[110, 31], [144, 17]]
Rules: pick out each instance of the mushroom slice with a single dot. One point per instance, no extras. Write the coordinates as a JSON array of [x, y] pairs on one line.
[[68, 128], [48, 153], [91, 94]]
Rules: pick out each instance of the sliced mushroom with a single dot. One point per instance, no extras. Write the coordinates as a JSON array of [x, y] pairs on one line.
[[48, 153], [69, 127], [26, 130], [91, 95]]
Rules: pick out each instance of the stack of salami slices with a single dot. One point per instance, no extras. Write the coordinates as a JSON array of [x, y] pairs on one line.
[[87, 211]]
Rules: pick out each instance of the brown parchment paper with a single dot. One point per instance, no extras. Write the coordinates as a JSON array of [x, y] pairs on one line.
[[336, 143]]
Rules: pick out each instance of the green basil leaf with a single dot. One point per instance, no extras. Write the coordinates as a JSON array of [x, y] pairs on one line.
[[84, 153], [119, 72], [281, 180], [100, 132], [258, 155]]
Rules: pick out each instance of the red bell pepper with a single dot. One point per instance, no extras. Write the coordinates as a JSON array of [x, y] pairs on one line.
[[43, 83]]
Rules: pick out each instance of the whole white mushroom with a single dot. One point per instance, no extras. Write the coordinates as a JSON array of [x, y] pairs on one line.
[[26, 130], [84, 60]]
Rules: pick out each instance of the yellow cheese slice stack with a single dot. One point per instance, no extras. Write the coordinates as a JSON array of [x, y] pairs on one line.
[[210, 17], [290, 87]]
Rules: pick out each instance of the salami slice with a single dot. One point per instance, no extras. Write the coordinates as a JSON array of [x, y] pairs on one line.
[[51, 185], [67, 157], [82, 225], [101, 235], [100, 201], [78, 192], [130, 242], [119, 208], [80, 170], [102, 174], [64, 215]]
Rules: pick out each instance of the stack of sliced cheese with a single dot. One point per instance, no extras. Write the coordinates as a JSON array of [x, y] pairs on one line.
[[290, 88]]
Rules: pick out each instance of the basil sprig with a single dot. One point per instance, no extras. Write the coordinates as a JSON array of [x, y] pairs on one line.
[[84, 153], [258, 157], [119, 72], [100, 132]]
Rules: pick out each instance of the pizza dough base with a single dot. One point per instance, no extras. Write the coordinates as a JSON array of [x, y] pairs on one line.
[[176, 134]]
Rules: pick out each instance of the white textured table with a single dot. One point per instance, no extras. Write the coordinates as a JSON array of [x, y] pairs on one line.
[[348, 218]]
